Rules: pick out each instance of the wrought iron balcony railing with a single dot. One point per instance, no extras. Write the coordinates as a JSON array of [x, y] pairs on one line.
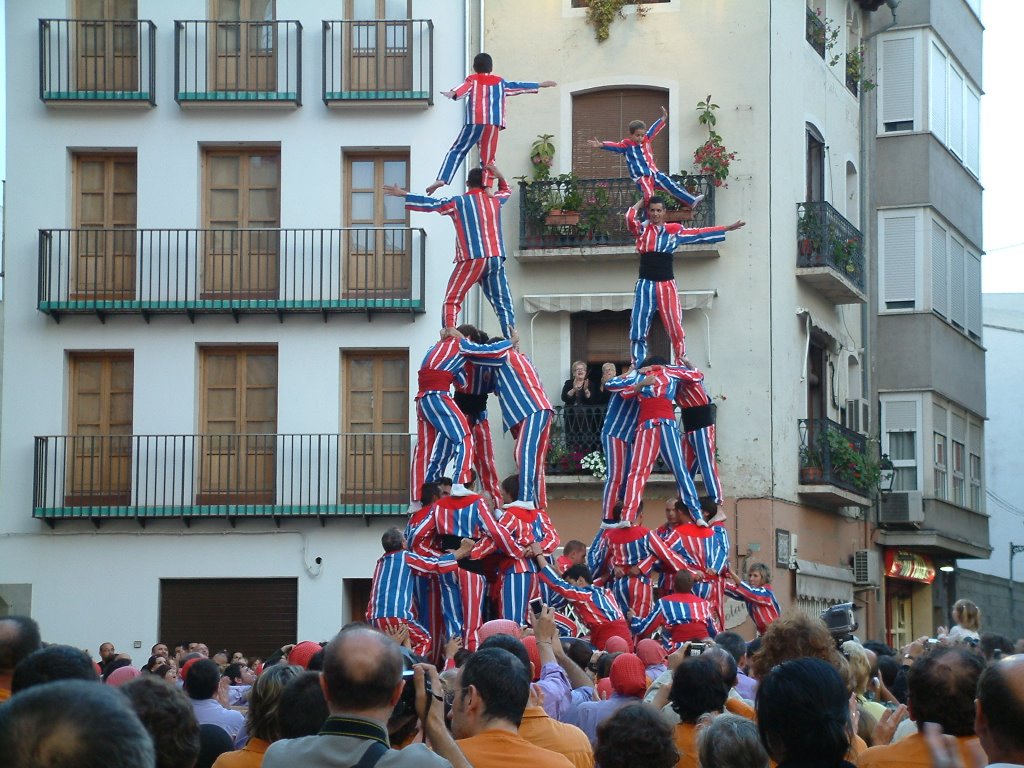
[[192, 476], [831, 454], [378, 60], [826, 238], [203, 271], [576, 432], [82, 60], [238, 62], [566, 212], [815, 32]]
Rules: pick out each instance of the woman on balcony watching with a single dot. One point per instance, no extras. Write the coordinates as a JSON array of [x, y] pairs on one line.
[[579, 395]]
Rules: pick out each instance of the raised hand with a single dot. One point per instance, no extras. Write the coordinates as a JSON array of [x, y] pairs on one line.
[[394, 190], [595, 143], [739, 223]]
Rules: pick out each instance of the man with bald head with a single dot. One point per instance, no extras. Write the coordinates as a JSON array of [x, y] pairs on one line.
[[362, 681], [999, 712]]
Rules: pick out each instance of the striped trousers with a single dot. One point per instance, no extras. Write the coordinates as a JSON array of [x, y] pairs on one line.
[[531, 452], [418, 635], [699, 452], [617, 458], [462, 605], [483, 460], [656, 436], [713, 590], [517, 589], [647, 185], [441, 432], [470, 135], [634, 593], [661, 296], [490, 273]]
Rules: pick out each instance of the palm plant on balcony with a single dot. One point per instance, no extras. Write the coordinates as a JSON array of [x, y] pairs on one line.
[[542, 155]]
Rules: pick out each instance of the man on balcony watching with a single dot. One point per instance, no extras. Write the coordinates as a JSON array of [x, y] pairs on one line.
[[479, 247], [656, 289]]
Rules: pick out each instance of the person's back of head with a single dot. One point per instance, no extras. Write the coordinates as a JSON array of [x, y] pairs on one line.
[[733, 643], [628, 675], [72, 724], [726, 664], [682, 582], [794, 635], [261, 721], [994, 645], [697, 688], [942, 686], [580, 651], [500, 682], [213, 742], [579, 571], [483, 64], [967, 615], [302, 709], [54, 662], [635, 736], [201, 679], [1000, 710], [475, 178], [860, 665], [362, 671], [19, 637], [730, 741], [167, 715], [511, 644], [803, 712], [392, 540]]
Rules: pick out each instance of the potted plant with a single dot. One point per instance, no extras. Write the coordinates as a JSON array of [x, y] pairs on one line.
[[810, 233], [674, 208], [849, 464], [844, 253], [595, 212], [810, 465], [855, 67], [565, 202], [712, 158], [542, 154]]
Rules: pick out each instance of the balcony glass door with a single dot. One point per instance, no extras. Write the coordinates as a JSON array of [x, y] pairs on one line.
[[379, 42], [104, 240], [243, 56], [378, 261], [107, 45]]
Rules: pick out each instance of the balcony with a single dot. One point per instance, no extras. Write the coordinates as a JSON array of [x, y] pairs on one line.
[[186, 477], [231, 271], [595, 227], [84, 62], [815, 33], [238, 62], [830, 253], [907, 519], [835, 469], [378, 62]]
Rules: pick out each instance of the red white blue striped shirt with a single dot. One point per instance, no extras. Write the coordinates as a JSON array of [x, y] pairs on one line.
[[594, 605], [639, 155], [486, 92], [665, 238], [450, 355], [467, 517], [620, 416], [762, 605], [520, 390], [391, 596], [528, 526], [476, 216], [626, 547], [676, 609]]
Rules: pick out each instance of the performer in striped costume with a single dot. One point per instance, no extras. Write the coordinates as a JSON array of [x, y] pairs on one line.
[[595, 606], [624, 558], [706, 548], [425, 586], [441, 429], [617, 434], [757, 593], [485, 95], [525, 411], [640, 160], [699, 433], [656, 289], [656, 432], [471, 397], [479, 247], [391, 599], [685, 616]]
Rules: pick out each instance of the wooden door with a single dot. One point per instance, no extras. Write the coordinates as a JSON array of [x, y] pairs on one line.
[[375, 408], [99, 454], [243, 56], [104, 245], [239, 425], [107, 45], [379, 42], [242, 196], [378, 260]]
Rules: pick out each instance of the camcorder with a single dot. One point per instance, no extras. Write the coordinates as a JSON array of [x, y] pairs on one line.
[[841, 622]]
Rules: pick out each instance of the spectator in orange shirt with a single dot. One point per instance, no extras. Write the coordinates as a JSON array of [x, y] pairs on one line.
[[697, 689], [730, 741], [19, 636], [636, 736]]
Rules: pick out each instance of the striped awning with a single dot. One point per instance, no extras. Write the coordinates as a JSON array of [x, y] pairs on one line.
[[598, 302]]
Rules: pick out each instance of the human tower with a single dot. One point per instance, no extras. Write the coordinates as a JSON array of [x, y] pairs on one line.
[[463, 559]]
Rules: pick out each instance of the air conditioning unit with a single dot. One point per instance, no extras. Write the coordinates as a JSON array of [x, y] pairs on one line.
[[866, 567], [904, 508], [858, 415]]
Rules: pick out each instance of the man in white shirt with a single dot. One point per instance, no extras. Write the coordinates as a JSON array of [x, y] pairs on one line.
[[202, 679]]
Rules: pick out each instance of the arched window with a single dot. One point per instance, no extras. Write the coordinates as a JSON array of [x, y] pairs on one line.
[[606, 114]]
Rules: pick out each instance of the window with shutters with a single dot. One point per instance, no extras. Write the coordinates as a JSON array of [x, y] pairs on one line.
[[898, 87], [244, 54], [379, 45], [815, 165], [603, 337], [975, 468], [899, 261], [107, 45], [955, 278], [104, 216], [959, 446], [378, 260], [954, 106], [900, 428], [606, 115], [940, 270], [957, 300]]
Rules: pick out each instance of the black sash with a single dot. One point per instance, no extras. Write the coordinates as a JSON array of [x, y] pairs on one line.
[[466, 564], [656, 266], [698, 417]]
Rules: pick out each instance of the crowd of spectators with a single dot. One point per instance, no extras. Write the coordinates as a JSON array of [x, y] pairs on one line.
[[796, 697]]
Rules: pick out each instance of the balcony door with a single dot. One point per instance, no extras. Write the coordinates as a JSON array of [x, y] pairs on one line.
[[104, 245], [606, 115], [243, 196], [238, 425], [107, 45], [375, 443], [378, 262], [99, 454], [379, 42], [243, 54]]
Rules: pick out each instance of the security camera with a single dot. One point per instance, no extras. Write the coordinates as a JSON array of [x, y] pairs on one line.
[[318, 560], [892, 3]]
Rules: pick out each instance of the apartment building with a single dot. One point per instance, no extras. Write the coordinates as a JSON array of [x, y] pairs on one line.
[[213, 316], [926, 315], [775, 315]]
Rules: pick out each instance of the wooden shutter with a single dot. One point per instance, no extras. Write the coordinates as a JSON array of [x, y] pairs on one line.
[[957, 305], [899, 82], [198, 610], [940, 270], [971, 130], [937, 91], [899, 273], [956, 112], [606, 115], [972, 291]]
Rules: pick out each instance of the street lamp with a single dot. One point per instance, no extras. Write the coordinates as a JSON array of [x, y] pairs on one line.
[[886, 474], [1015, 549]]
